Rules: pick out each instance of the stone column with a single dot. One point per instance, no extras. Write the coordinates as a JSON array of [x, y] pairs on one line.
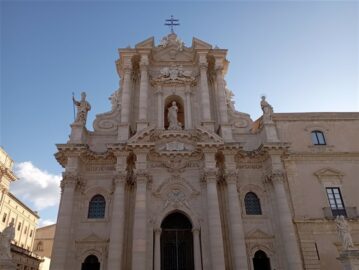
[[238, 243], [143, 99], [286, 225], [117, 222], [64, 221], [157, 262], [197, 249], [188, 113], [123, 132], [214, 219], [139, 245], [205, 101], [160, 108]]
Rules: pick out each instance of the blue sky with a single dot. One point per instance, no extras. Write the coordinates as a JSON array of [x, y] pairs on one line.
[[304, 56]]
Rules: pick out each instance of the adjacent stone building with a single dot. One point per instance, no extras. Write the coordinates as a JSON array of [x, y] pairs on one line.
[[173, 177], [25, 220]]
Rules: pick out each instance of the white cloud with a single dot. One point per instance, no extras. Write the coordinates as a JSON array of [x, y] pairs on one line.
[[36, 186]]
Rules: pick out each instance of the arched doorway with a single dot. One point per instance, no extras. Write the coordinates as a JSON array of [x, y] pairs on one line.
[[176, 243], [261, 261], [91, 263]]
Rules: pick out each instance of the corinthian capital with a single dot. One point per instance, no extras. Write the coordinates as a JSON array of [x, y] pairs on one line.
[[276, 176], [210, 175], [231, 176], [142, 176], [69, 180]]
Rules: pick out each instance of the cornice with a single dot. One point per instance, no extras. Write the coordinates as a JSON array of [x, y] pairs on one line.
[[322, 155], [310, 116]]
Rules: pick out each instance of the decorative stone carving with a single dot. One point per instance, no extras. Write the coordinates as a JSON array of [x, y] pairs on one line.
[[82, 109], [174, 74], [176, 197], [344, 232], [7, 235], [172, 39]]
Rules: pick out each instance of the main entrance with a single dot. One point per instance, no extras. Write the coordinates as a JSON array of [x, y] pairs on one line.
[[261, 261], [176, 243], [91, 263]]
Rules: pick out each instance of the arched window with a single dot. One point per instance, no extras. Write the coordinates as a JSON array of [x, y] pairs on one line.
[[40, 246], [252, 204], [97, 207], [318, 137]]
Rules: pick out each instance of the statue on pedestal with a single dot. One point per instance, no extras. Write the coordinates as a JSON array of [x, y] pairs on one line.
[[344, 232], [172, 117], [6, 237], [82, 109], [267, 109]]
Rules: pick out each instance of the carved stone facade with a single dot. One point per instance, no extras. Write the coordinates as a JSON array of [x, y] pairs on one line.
[[254, 193]]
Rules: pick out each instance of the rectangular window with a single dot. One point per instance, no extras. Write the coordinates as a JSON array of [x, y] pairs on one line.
[[4, 218], [336, 201], [19, 226]]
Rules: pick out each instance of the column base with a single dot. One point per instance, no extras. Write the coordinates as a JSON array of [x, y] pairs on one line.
[[209, 125], [123, 132], [78, 133], [349, 259], [141, 125], [225, 131]]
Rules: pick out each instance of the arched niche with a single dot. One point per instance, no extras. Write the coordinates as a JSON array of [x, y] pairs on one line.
[[180, 114]]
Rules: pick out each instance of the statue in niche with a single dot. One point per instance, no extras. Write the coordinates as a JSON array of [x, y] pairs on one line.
[[6, 237], [82, 109], [267, 109], [344, 232], [172, 117]]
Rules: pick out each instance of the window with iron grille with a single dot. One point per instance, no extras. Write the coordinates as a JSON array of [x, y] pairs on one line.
[[97, 207], [336, 201], [252, 204], [318, 138]]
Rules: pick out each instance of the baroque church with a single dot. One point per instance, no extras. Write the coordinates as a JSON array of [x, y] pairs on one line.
[[174, 178]]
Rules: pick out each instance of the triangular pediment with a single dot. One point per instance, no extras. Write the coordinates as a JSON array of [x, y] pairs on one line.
[[91, 238], [329, 173], [146, 44], [171, 53], [258, 234], [200, 44]]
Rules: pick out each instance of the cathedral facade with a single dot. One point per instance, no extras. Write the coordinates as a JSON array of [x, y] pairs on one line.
[[174, 178]]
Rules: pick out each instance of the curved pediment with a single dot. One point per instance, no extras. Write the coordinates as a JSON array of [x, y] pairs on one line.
[[168, 142]]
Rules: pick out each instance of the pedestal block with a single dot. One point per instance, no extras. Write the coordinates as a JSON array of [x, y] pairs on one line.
[[349, 259]]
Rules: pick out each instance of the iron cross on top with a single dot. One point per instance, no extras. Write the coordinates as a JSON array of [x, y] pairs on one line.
[[172, 22]]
